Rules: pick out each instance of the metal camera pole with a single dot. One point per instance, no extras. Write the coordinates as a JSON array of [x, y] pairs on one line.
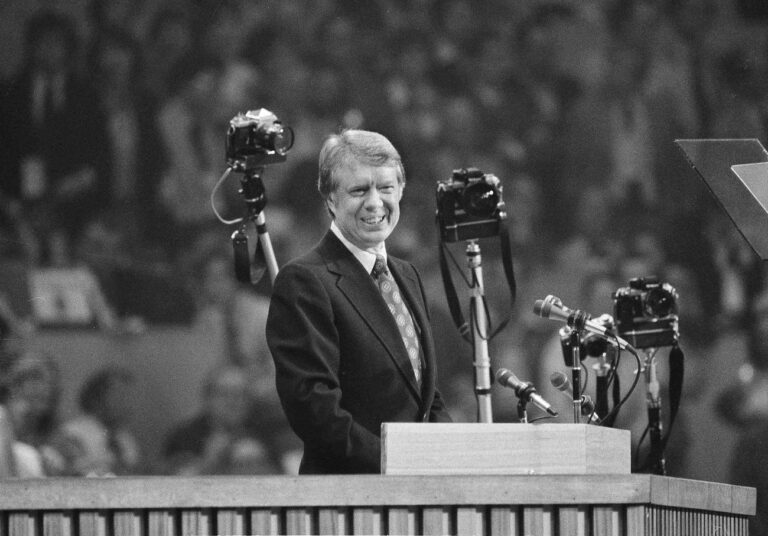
[[255, 199], [482, 361], [653, 403]]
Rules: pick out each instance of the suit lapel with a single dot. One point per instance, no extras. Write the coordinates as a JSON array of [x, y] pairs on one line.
[[361, 292]]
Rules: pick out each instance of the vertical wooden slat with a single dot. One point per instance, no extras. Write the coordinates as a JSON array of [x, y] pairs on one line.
[[572, 521], [367, 521], [606, 521], [126, 523], [636, 520], [333, 521], [58, 524], [22, 524], [265, 521], [92, 523], [470, 521], [436, 521], [230, 521], [196, 522], [161, 523], [402, 521], [298, 521], [537, 520], [504, 521]]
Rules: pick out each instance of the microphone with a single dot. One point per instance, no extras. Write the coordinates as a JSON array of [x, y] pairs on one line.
[[525, 391], [561, 382], [551, 307]]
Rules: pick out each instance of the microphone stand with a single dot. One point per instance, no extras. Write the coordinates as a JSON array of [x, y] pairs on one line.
[[602, 368], [575, 343], [482, 361], [522, 404], [657, 462]]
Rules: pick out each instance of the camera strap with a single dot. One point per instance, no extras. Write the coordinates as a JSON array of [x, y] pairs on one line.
[[676, 369], [247, 271], [450, 290], [450, 294]]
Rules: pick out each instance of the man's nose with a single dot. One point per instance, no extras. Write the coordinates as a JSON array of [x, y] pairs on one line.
[[373, 199]]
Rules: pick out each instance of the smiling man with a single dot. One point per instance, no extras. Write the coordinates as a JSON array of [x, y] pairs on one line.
[[348, 325]]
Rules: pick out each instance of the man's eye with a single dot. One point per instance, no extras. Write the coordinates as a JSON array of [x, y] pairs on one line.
[[387, 189]]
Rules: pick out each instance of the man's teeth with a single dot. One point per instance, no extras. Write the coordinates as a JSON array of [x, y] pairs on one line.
[[374, 220]]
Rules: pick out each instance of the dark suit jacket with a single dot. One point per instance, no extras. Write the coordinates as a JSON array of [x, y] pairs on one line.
[[342, 368]]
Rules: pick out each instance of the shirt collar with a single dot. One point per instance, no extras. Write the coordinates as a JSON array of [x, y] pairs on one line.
[[366, 258]]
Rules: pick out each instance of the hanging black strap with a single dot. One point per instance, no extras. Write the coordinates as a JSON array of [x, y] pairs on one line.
[[450, 294], [676, 369]]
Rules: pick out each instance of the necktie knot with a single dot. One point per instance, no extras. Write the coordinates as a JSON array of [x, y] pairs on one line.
[[379, 267]]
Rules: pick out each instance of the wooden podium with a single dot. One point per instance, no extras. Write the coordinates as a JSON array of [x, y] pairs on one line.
[[577, 499]]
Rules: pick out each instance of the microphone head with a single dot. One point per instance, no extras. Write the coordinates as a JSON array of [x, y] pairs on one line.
[[502, 374], [546, 307], [559, 381]]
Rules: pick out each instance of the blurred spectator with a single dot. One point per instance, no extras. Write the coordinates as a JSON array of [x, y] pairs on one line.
[[115, 61], [99, 442], [170, 30], [226, 435], [52, 136], [30, 394]]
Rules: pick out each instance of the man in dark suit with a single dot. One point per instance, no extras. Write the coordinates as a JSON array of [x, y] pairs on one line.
[[353, 349]]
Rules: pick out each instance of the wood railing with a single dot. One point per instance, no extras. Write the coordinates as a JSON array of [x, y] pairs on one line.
[[630, 505]]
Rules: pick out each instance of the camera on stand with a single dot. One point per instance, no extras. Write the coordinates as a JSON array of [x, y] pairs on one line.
[[469, 205], [645, 313], [255, 139]]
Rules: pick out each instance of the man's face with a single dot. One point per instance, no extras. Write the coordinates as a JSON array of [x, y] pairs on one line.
[[366, 203]]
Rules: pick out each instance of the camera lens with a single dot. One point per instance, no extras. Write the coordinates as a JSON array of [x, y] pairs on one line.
[[282, 139], [661, 300], [481, 199]]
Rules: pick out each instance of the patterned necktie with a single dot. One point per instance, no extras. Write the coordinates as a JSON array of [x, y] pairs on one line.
[[397, 307]]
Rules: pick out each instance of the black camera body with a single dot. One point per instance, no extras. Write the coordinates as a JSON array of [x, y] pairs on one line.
[[469, 205], [257, 138], [645, 313]]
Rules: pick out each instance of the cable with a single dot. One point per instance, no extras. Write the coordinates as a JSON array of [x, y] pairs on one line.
[[213, 194]]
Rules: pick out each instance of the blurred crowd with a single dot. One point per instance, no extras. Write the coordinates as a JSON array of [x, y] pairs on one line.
[[112, 132]]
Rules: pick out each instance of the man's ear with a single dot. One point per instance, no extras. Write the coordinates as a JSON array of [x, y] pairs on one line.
[[329, 206], [402, 187]]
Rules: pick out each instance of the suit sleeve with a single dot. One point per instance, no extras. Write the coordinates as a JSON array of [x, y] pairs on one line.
[[304, 343]]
